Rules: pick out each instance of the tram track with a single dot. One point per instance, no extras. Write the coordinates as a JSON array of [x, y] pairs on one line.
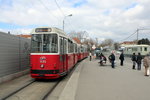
[[50, 91], [14, 92], [52, 85], [43, 89], [36, 89]]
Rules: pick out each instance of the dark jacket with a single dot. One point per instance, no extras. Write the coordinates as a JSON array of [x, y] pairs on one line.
[[133, 58], [121, 56], [112, 57], [139, 59]]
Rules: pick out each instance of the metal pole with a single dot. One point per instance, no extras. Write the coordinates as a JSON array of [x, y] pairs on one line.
[[63, 23], [137, 34]]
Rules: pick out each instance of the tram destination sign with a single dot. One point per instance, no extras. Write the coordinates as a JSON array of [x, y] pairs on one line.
[[43, 30]]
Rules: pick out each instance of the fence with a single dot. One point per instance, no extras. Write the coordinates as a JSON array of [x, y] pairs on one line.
[[14, 54]]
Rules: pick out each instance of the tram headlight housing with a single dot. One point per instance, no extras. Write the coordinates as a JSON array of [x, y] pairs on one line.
[[42, 66]]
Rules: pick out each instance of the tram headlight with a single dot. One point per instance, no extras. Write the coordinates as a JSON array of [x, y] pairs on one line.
[[42, 66]]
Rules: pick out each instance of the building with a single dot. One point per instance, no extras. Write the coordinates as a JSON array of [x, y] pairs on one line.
[[25, 36], [77, 40], [127, 43]]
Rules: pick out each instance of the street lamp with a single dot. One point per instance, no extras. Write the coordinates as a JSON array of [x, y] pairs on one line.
[[64, 20]]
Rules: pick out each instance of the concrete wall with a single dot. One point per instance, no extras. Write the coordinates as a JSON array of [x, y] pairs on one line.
[[14, 54]]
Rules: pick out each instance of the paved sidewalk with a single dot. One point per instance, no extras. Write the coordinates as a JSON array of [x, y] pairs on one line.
[[104, 83]]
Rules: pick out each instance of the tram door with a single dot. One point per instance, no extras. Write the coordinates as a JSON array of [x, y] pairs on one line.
[[63, 53]]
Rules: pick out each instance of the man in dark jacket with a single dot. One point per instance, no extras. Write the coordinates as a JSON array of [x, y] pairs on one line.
[[112, 58], [139, 59], [133, 60], [121, 58]]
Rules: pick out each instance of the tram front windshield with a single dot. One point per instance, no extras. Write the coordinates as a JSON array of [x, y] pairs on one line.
[[44, 43]]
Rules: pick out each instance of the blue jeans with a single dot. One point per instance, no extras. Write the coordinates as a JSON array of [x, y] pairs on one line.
[[139, 66], [112, 64]]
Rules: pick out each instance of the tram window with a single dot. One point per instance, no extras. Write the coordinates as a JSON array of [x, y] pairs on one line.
[[50, 43], [44, 43], [73, 47], [81, 49], [141, 48], [134, 49], [76, 50], [70, 47], [145, 49], [65, 46], [61, 45], [36, 43]]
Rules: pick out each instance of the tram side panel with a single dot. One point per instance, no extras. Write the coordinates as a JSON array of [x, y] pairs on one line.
[[70, 61], [82, 56], [75, 58], [79, 56], [85, 54]]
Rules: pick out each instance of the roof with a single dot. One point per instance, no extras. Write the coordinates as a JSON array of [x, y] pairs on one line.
[[51, 31], [77, 40], [128, 42], [25, 36], [136, 46]]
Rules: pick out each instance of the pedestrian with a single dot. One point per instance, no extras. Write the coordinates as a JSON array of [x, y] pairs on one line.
[[133, 60], [138, 60], [112, 59], [102, 59], [121, 58], [146, 63], [90, 54]]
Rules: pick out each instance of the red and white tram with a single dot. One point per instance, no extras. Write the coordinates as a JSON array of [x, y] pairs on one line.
[[53, 53]]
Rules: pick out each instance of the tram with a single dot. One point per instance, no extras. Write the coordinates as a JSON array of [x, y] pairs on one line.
[[53, 53], [130, 49]]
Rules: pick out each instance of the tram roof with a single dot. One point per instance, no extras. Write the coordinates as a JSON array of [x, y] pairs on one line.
[[52, 30], [144, 45]]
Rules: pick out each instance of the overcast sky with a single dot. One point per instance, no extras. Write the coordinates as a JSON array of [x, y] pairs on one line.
[[102, 19]]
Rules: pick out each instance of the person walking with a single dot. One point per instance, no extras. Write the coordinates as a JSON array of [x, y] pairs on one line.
[[112, 58], [121, 58], [133, 60], [139, 59], [90, 54], [146, 63]]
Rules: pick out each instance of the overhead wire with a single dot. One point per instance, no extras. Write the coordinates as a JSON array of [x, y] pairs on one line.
[[133, 34], [59, 8], [129, 36], [144, 35], [48, 10], [63, 14]]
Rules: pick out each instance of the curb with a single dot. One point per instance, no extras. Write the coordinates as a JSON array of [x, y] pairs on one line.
[[69, 91]]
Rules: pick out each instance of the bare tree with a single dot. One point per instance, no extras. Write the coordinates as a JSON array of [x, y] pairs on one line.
[[107, 42], [72, 34], [116, 46], [81, 35]]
